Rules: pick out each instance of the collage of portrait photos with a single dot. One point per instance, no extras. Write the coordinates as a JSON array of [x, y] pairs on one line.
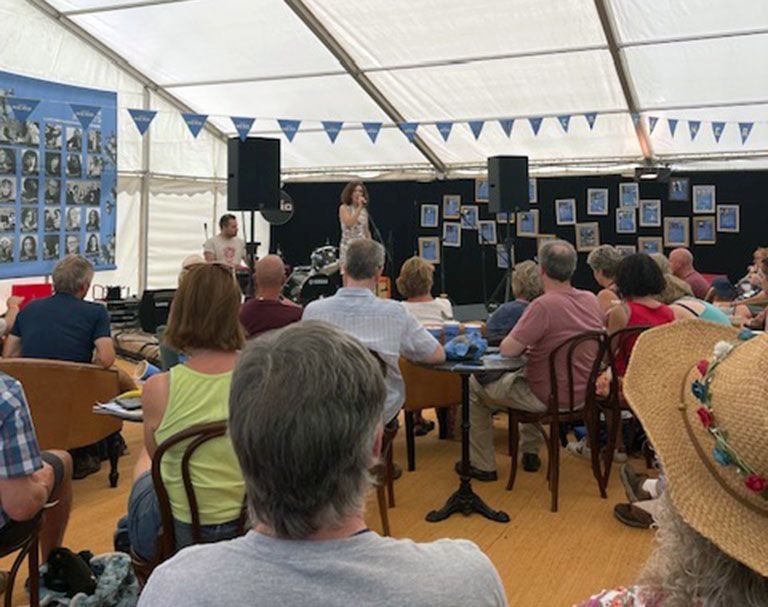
[[57, 187]]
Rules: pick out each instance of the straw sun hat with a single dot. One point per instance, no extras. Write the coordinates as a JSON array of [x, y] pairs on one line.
[[701, 392]]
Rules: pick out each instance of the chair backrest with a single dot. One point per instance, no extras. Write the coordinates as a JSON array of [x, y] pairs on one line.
[[61, 396], [196, 436], [425, 388], [562, 358], [620, 343]]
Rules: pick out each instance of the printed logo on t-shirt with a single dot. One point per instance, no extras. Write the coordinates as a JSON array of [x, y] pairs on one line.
[[229, 253]]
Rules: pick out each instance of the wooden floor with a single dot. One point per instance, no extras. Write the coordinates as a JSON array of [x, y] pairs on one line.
[[543, 558]]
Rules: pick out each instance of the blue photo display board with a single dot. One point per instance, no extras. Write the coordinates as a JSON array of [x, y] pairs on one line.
[[58, 175]]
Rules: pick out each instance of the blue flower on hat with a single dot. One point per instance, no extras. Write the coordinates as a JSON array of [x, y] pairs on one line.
[[699, 390], [746, 334], [722, 457]]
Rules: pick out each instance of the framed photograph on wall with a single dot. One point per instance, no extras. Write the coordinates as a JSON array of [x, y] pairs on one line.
[[451, 234], [565, 211], [629, 194], [502, 217], [481, 189], [650, 245], [704, 230], [533, 190], [528, 223], [626, 220], [429, 215], [470, 216], [487, 232], [451, 206], [429, 248], [626, 249], [650, 213], [679, 188], [703, 199], [502, 259], [587, 236], [676, 232], [728, 218], [597, 201]]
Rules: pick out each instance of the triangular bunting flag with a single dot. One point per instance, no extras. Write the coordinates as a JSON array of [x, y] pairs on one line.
[[535, 124], [332, 129], [507, 125], [242, 125], [445, 129], [745, 128], [591, 117], [289, 128], [21, 107], [693, 127], [652, 120], [717, 130], [476, 126], [372, 128], [85, 113], [672, 123], [564, 122], [142, 119], [195, 122], [635, 117], [409, 129]]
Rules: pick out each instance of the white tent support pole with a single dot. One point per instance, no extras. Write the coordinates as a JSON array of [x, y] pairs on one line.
[[144, 202], [119, 7], [120, 62], [630, 96], [695, 38], [342, 56]]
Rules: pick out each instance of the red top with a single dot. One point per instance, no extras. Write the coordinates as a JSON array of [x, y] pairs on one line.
[[640, 315], [260, 315]]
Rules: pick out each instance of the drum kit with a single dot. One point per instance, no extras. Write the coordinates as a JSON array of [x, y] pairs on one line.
[[317, 280]]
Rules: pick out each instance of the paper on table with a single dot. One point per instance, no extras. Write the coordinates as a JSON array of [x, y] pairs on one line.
[[118, 411]]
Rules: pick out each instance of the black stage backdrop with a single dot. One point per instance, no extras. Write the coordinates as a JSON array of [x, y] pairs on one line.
[[395, 206]]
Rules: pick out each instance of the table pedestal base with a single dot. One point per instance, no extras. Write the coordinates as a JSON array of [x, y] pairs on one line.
[[466, 501]]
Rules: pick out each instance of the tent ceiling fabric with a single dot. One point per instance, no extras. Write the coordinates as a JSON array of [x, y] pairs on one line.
[[446, 60]]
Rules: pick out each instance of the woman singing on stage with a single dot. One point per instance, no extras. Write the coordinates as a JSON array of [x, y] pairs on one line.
[[353, 216]]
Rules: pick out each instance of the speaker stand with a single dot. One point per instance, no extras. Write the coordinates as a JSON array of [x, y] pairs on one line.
[[506, 281]]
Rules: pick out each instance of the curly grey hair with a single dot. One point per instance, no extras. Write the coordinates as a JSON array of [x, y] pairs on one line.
[[605, 258], [526, 281]]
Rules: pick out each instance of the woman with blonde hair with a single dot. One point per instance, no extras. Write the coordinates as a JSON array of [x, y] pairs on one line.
[[415, 284], [203, 324], [603, 261], [353, 216]]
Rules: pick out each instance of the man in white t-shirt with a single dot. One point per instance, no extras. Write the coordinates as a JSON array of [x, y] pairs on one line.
[[226, 247]]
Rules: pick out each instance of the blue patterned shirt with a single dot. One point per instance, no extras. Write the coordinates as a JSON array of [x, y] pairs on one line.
[[19, 452]]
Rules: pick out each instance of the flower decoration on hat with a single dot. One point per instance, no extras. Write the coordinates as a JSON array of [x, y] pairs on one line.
[[723, 453]]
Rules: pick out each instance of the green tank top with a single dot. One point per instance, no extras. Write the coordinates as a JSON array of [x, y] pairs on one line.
[[198, 398]]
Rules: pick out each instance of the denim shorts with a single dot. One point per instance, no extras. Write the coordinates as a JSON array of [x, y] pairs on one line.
[[144, 522]]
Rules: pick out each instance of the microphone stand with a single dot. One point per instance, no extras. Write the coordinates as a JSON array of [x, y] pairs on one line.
[[389, 259], [483, 276]]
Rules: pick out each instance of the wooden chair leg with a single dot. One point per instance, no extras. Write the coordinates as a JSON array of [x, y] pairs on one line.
[[34, 573], [554, 464], [410, 441], [382, 499], [390, 479], [613, 427], [591, 420], [514, 448], [442, 422], [113, 450]]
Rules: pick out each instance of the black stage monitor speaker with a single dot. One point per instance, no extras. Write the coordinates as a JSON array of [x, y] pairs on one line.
[[508, 184], [253, 168]]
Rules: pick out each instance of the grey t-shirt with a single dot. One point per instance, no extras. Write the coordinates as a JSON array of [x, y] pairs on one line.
[[227, 250], [364, 569]]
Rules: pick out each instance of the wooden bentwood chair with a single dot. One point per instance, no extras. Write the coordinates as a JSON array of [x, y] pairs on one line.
[[563, 409], [26, 547]]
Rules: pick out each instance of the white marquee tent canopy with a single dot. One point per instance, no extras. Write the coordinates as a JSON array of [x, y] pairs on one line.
[[394, 61]]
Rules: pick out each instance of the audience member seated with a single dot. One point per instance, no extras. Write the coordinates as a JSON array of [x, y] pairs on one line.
[[526, 286], [203, 324], [681, 264], [12, 305], [268, 310], [559, 314], [415, 285], [760, 320], [383, 325], [712, 521], [749, 284], [28, 478], [603, 261], [305, 448]]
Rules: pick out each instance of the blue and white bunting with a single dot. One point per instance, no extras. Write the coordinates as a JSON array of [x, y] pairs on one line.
[[372, 129], [242, 125], [409, 129], [289, 128], [591, 117], [195, 122], [332, 129], [693, 128], [535, 124], [717, 130], [506, 125], [652, 121], [476, 126], [444, 128], [22, 107], [142, 119], [564, 121], [745, 128], [672, 123], [85, 113]]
